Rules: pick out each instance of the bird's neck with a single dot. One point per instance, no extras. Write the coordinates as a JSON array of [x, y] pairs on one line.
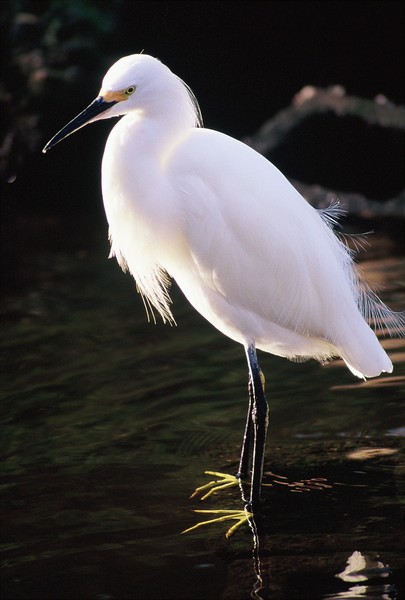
[[144, 136], [139, 201], [133, 170]]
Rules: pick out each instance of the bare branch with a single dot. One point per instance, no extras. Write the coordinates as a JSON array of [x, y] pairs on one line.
[[311, 101]]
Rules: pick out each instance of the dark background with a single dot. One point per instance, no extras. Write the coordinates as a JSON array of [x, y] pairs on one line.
[[244, 61], [109, 422]]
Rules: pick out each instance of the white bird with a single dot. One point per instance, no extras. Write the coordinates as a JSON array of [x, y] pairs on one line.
[[248, 251]]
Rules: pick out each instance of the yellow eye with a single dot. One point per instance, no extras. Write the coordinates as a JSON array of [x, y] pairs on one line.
[[129, 91]]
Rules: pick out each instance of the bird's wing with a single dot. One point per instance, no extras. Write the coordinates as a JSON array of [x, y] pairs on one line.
[[252, 238]]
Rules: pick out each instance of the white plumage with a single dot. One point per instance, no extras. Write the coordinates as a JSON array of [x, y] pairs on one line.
[[250, 254]]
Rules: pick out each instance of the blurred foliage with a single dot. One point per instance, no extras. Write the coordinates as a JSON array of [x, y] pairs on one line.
[[48, 49]]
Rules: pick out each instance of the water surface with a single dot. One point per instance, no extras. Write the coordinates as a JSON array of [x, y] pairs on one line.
[[110, 422]]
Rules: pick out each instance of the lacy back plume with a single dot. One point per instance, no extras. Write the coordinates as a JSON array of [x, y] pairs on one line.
[[375, 312]]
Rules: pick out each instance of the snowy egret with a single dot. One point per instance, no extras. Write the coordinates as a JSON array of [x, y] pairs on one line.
[[249, 253]]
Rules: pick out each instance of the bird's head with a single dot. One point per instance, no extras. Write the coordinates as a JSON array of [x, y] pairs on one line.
[[134, 82]]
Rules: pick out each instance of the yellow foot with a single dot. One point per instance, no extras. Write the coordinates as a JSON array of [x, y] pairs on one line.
[[240, 516], [225, 481]]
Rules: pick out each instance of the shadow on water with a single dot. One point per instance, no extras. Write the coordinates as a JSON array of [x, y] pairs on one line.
[[109, 423]]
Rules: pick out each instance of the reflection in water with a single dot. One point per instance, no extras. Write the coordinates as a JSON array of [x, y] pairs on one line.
[[258, 585], [368, 453], [109, 421], [263, 572], [241, 516], [361, 568], [373, 592]]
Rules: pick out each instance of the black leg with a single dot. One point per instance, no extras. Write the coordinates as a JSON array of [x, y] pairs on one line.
[[246, 454], [258, 410]]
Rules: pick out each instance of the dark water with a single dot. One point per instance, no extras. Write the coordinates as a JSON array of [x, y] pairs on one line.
[[109, 423]]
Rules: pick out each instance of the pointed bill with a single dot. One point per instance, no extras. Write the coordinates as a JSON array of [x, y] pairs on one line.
[[96, 108]]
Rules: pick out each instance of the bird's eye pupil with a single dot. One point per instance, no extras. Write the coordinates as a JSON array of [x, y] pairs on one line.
[[130, 90]]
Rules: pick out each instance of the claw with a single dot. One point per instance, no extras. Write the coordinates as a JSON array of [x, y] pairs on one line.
[[240, 516], [224, 482]]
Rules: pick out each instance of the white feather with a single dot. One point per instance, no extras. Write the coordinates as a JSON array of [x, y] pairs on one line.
[[251, 255]]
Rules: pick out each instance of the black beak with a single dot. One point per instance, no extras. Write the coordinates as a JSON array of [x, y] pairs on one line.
[[98, 106]]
